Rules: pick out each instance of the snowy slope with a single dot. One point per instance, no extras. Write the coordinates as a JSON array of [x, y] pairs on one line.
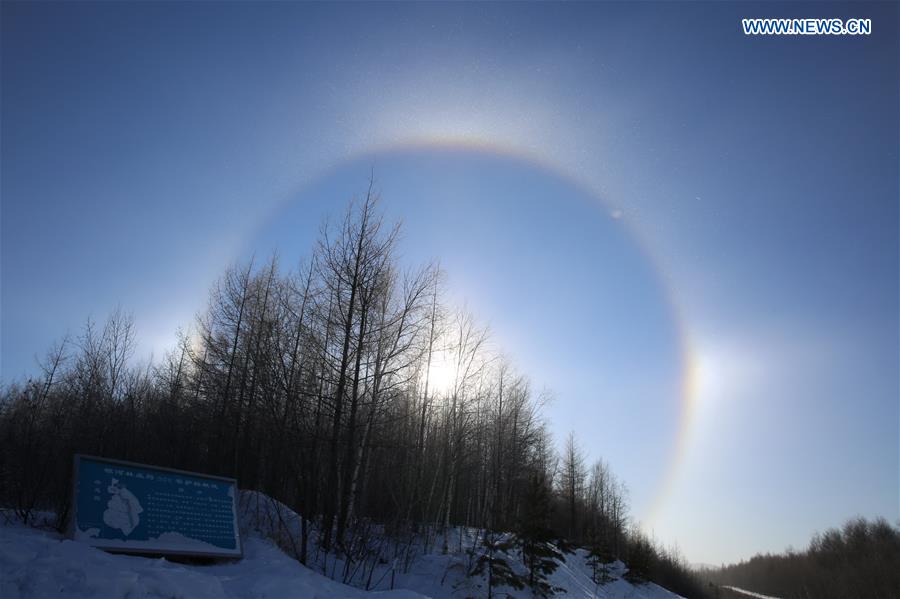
[[440, 576], [39, 563]]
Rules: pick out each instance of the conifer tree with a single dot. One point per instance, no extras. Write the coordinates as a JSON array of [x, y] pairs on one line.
[[539, 554], [492, 563]]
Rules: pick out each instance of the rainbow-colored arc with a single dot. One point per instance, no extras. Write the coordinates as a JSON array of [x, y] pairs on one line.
[[688, 384]]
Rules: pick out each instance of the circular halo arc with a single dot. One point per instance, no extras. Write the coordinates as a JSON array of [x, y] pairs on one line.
[[687, 384]]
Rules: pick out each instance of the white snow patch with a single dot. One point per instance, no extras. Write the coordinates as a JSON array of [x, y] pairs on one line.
[[37, 563], [167, 541], [435, 574]]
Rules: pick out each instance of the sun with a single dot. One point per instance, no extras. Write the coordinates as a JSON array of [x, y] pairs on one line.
[[441, 374]]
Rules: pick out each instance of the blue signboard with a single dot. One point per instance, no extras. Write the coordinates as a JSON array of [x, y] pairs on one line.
[[135, 508]]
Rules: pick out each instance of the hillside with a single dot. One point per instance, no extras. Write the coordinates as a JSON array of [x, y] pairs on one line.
[[352, 389], [41, 563]]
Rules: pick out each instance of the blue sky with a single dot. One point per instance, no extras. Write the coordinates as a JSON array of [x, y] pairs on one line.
[[660, 173]]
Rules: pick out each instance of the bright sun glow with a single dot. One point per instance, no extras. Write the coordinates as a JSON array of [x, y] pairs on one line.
[[441, 374], [720, 372]]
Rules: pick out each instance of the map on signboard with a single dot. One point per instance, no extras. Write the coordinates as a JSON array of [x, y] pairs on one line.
[[123, 506], [123, 510]]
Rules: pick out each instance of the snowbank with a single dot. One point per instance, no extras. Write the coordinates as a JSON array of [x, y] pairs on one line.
[[38, 563], [440, 576]]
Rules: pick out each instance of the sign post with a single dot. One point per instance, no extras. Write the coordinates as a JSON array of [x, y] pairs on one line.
[[135, 508]]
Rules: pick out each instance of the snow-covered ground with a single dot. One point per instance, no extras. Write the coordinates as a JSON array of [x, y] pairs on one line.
[[40, 563]]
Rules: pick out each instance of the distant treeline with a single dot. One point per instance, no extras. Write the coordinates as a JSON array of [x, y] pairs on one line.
[[318, 386], [860, 560]]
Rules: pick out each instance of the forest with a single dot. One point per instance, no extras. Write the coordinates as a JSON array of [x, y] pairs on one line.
[[347, 389], [859, 559]]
